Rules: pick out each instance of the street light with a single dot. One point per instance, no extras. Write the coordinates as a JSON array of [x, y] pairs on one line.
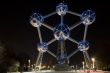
[[29, 62], [93, 63], [83, 64]]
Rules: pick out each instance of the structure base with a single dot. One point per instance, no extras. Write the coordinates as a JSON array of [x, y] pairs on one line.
[[62, 67]]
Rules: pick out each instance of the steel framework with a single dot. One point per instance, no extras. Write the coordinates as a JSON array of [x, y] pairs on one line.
[[62, 33]]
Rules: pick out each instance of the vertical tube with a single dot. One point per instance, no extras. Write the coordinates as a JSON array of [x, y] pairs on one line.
[[85, 32], [39, 32], [61, 19]]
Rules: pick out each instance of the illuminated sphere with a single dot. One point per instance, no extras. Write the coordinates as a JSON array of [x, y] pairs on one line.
[[36, 20], [88, 17], [61, 9], [42, 47], [61, 32], [83, 45]]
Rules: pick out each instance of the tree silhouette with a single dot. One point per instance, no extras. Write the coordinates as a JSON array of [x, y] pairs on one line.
[[2, 50], [7, 56]]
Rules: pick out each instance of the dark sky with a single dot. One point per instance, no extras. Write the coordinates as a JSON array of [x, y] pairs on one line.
[[21, 37]]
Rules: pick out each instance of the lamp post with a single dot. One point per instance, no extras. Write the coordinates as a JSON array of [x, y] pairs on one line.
[[83, 64], [93, 63], [29, 63]]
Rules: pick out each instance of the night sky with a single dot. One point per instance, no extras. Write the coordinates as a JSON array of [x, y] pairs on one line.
[[21, 37]]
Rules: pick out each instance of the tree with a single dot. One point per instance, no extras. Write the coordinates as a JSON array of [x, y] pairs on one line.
[[7, 56], [2, 56], [14, 67], [2, 52]]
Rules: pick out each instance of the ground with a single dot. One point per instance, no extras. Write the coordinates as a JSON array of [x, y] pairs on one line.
[[62, 72]]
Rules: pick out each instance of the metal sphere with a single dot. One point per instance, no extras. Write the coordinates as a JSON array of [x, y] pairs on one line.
[[83, 45], [88, 17], [61, 32], [61, 9], [42, 47], [36, 20]]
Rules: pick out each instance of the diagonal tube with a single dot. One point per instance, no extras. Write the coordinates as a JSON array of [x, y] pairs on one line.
[[86, 53], [38, 58], [72, 40], [49, 27], [75, 25], [51, 53], [87, 59], [48, 15], [39, 33], [73, 53], [51, 41], [73, 13]]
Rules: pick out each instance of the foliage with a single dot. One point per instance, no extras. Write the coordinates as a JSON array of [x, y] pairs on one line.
[[7, 57], [14, 67]]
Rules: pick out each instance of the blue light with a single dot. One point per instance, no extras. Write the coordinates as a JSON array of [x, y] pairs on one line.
[[61, 32], [83, 45], [42, 47], [62, 59], [36, 20], [61, 9], [88, 17]]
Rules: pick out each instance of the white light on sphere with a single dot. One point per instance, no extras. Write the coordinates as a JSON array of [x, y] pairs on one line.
[[36, 20], [42, 47]]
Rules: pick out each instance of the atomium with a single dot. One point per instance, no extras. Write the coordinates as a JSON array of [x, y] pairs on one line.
[[61, 33]]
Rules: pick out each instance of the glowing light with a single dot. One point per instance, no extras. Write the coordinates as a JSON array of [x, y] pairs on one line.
[[88, 17], [29, 62], [36, 20], [61, 9], [93, 59], [83, 64], [93, 63]]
